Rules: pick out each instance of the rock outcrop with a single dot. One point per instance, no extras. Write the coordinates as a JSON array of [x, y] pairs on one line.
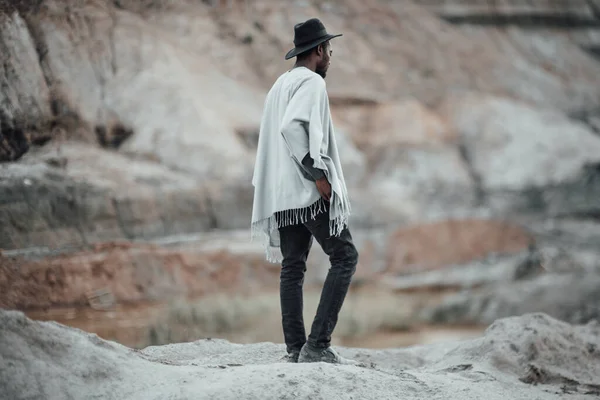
[[569, 297], [71, 195], [25, 97], [533, 356], [128, 273], [467, 145], [382, 56], [183, 85], [434, 245], [514, 150]]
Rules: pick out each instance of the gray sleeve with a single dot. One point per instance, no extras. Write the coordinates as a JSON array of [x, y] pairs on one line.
[[316, 173]]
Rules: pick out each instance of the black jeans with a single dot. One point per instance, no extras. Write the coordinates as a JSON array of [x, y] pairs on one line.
[[296, 241]]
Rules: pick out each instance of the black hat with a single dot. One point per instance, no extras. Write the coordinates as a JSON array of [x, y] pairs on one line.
[[307, 35]]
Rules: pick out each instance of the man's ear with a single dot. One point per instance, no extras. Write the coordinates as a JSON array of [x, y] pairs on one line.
[[321, 49]]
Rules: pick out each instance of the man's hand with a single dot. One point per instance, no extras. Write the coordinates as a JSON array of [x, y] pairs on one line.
[[324, 188]]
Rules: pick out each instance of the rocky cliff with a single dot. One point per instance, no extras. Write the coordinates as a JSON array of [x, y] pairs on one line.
[[466, 131]]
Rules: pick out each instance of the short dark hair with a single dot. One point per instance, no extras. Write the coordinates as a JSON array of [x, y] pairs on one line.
[[307, 53]]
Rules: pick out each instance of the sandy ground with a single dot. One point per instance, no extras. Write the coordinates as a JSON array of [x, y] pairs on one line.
[[527, 357]]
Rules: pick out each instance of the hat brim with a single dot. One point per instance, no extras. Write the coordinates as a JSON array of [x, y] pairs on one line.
[[299, 50]]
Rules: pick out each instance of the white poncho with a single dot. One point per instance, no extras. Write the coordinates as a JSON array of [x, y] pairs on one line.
[[296, 121]]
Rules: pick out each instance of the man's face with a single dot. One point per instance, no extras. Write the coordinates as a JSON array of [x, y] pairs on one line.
[[324, 60]]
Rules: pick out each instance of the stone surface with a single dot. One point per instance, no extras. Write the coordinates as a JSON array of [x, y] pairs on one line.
[[475, 129], [422, 183], [75, 194], [373, 127], [166, 55], [433, 245], [119, 59], [524, 159], [514, 146], [571, 297], [131, 273], [414, 166], [105, 73], [382, 44], [25, 97], [491, 270]]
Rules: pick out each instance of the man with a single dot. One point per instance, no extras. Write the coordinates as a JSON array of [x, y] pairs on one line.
[[300, 193]]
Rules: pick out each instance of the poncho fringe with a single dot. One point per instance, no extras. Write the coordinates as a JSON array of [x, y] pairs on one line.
[[281, 219]]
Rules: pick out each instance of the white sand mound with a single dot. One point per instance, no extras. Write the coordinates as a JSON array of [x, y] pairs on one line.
[[528, 357], [537, 348]]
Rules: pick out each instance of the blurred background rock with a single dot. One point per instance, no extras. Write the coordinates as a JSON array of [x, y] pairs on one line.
[[469, 130]]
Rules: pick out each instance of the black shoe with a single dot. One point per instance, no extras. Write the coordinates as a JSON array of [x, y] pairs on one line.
[[291, 357], [310, 354]]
